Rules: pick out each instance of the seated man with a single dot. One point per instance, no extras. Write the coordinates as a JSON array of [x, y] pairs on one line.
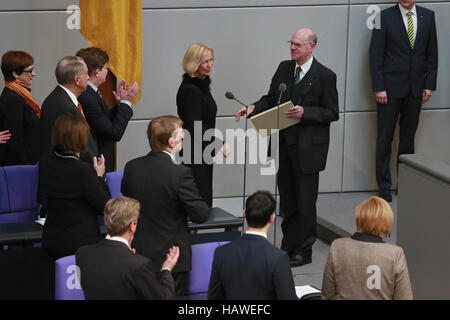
[[112, 270], [251, 268], [169, 197]]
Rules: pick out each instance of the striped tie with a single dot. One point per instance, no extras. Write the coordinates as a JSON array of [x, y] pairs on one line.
[[297, 74], [80, 109], [410, 29]]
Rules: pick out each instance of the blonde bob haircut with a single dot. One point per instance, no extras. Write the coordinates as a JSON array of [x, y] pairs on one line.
[[119, 213], [193, 58], [374, 216]]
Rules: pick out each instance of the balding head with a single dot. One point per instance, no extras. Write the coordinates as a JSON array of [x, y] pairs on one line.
[[303, 43]]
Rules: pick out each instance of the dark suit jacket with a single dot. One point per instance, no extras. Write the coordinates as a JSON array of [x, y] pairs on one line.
[[250, 268], [57, 103], [317, 94], [396, 68], [107, 125], [74, 196], [168, 196], [23, 124], [109, 270]]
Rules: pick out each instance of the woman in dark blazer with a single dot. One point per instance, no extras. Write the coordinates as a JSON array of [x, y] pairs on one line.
[[196, 106], [74, 192], [19, 112]]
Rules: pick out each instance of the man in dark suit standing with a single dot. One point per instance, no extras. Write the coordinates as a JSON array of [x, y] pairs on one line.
[[72, 77], [168, 196], [251, 268], [107, 125], [303, 148], [112, 270], [403, 64]]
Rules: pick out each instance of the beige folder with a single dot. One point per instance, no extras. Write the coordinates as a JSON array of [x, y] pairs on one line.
[[267, 121]]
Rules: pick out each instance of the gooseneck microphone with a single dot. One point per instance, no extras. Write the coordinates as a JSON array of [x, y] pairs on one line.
[[230, 95], [282, 88]]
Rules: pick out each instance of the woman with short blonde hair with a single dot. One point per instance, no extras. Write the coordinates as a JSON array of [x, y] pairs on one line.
[[193, 58], [364, 267]]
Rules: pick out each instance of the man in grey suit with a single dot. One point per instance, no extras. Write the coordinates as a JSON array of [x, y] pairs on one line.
[[403, 64], [251, 267]]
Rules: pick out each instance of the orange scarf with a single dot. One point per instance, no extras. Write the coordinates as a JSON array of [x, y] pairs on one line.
[[20, 88]]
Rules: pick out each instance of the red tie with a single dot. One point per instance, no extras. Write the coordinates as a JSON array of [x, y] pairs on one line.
[[81, 110]]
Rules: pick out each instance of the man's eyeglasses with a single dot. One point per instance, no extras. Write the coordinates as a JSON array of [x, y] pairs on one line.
[[28, 71], [297, 45]]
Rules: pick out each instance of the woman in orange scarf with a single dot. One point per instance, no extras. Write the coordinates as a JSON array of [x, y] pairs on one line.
[[19, 112]]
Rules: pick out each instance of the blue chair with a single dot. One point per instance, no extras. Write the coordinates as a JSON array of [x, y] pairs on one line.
[[202, 257], [67, 281], [18, 193], [113, 181]]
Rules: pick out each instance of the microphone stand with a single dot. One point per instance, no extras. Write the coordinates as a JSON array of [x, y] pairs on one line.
[[276, 174]]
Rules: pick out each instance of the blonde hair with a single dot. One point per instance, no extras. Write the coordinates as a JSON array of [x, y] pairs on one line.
[[193, 58], [374, 216], [119, 213]]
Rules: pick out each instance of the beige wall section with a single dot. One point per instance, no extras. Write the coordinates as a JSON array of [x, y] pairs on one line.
[[249, 38]]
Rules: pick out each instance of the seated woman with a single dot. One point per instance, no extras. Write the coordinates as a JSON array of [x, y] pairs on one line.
[[19, 112], [74, 192], [363, 266]]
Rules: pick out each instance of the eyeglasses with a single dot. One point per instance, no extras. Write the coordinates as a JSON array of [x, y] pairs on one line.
[[298, 45], [28, 71], [207, 62]]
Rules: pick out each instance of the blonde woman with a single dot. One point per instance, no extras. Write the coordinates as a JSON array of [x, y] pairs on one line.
[[363, 266], [196, 106]]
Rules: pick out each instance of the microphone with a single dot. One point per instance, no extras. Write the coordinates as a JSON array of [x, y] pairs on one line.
[[230, 95], [281, 88]]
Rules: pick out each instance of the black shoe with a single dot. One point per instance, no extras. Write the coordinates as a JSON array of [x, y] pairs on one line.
[[298, 260], [386, 195]]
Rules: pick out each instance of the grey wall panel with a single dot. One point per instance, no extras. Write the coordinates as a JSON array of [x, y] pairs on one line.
[[359, 95], [19, 5], [248, 48], [45, 36], [228, 179], [331, 177], [420, 2], [359, 152], [234, 3], [134, 143], [432, 137]]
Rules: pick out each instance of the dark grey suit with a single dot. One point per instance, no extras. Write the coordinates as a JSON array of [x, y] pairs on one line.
[[303, 148], [109, 270], [250, 268], [58, 103], [403, 73]]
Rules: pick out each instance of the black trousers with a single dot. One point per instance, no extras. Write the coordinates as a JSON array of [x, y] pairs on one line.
[[408, 109], [181, 280], [298, 195]]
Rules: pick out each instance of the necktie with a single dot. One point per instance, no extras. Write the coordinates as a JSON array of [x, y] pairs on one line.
[[81, 110], [410, 29], [297, 74], [98, 91]]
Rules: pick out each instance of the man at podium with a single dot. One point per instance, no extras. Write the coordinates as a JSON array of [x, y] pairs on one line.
[[303, 147]]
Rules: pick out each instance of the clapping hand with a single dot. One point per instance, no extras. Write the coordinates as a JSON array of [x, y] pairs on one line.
[[171, 258], [125, 92], [99, 165], [4, 136]]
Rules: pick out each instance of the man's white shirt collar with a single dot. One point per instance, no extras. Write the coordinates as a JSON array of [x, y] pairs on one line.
[[93, 86], [71, 95], [171, 155], [115, 238], [405, 11], [305, 67], [257, 233]]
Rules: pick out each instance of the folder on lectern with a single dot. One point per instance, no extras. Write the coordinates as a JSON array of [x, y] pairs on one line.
[[267, 121]]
